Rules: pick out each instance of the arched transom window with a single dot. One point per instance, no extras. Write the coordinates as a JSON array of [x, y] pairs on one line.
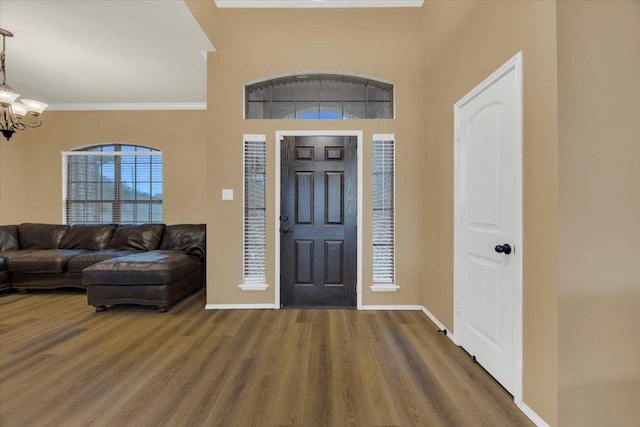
[[319, 96]]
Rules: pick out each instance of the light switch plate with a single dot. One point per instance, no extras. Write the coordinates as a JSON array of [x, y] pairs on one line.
[[227, 194]]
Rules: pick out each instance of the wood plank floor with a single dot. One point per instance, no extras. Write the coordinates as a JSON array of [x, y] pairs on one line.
[[62, 364]]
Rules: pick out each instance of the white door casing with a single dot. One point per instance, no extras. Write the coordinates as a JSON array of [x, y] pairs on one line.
[[487, 214]]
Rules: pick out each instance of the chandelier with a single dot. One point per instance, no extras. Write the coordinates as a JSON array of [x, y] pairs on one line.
[[15, 115]]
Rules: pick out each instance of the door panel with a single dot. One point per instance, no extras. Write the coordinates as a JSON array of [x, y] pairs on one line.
[[486, 207], [303, 259], [334, 192], [484, 313], [333, 265], [318, 236], [304, 198], [481, 165]]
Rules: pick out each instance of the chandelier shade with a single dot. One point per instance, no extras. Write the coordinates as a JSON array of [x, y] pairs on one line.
[[19, 109], [7, 97], [15, 114]]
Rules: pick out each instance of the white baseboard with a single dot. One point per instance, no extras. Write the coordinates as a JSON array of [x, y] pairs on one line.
[[392, 307], [438, 323], [531, 414], [239, 306]]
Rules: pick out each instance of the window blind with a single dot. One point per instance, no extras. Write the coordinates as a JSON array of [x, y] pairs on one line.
[[254, 212], [112, 184], [383, 212]]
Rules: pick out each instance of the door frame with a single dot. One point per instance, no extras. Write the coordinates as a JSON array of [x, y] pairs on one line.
[[512, 65], [280, 134]]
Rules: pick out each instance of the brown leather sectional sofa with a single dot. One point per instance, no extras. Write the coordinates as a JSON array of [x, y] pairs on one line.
[[5, 283], [150, 264]]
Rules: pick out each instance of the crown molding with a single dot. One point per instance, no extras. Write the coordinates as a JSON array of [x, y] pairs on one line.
[[129, 106], [316, 3]]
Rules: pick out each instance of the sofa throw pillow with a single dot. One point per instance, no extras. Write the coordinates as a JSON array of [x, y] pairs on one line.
[[41, 236], [9, 238], [183, 237], [144, 237], [94, 237]]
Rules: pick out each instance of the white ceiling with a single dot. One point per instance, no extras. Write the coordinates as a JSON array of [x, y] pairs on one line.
[[119, 54], [105, 54]]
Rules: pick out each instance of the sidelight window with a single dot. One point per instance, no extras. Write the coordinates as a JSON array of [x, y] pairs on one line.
[[383, 169], [319, 96], [254, 269], [115, 183]]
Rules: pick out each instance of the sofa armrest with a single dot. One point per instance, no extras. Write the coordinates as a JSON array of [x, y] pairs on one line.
[[197, 251]]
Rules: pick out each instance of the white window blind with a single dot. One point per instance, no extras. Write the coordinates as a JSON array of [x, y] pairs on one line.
[[119, 184], [254, 213], [383, 212]]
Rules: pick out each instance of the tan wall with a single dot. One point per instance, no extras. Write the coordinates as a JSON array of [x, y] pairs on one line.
[[599, 159], [31, 164], [13, 178], [255, 44], [483, 38]]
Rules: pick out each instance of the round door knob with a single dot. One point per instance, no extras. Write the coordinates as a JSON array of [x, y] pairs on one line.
[[503, 249]]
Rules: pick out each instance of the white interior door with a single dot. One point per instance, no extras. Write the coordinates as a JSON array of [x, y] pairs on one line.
[[488, 224]]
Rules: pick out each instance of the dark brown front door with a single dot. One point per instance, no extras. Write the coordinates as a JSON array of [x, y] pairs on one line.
[[318, 221]]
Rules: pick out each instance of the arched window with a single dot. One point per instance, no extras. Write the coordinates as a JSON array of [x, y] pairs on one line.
[[114, 183], [319, 96]]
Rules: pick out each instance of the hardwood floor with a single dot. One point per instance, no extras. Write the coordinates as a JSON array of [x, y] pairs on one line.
[[62, 364]]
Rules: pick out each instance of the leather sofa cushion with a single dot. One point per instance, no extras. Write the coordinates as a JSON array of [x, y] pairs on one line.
[[7, 255], [9, 238], [41, 236], [145, 237], [44, 261], [80, 262], [184, 237], [85, 236], [147, 268]]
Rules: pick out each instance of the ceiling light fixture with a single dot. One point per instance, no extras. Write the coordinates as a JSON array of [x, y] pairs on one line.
[[15, 115]]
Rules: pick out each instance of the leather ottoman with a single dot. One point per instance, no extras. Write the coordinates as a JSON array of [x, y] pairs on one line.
[[157, 278]]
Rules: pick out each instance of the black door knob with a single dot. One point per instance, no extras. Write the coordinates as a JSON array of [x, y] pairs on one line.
[[284, 230], [503, 249]]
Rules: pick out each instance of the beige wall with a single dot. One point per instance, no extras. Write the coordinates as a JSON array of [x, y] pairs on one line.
[[13, 178], [31, 165], [254, 44], [599, 163], [483, 39]]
